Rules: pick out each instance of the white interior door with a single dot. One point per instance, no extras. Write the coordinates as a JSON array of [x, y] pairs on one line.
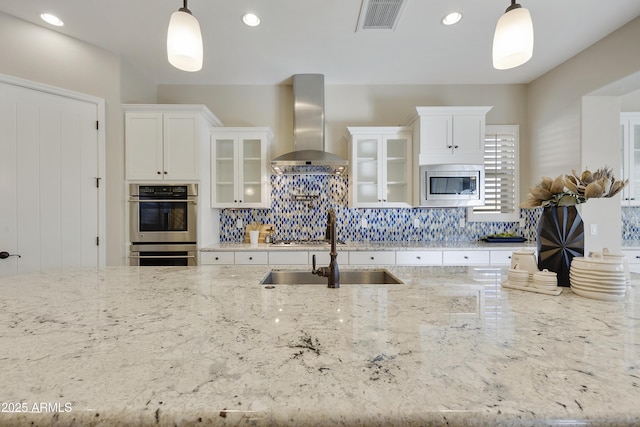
[[48, 168]]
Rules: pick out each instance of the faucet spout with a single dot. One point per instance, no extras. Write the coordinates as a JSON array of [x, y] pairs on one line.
[[332, 272]]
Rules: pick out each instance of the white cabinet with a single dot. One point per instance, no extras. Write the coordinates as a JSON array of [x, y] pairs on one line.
[[217, 258], [630, 133], [419, 257], [500, 257], [372, 258], [251, 257], [239, 168], [450, 134], [163, 142], [288, 257], [633, 259], [460, 257], [380, 161]]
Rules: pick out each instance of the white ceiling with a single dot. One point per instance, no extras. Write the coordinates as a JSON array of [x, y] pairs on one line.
[[318, 36]]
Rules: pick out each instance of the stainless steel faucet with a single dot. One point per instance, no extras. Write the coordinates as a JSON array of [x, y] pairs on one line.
[[332, 273]]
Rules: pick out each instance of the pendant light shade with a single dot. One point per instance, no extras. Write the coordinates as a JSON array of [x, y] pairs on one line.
[[184, 40], [513, 39]]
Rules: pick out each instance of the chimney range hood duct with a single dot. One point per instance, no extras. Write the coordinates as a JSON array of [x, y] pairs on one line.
[[308, 157]]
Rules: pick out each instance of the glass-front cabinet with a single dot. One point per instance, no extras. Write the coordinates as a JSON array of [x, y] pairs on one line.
[[630, 136], [380, 167], [239, 168]]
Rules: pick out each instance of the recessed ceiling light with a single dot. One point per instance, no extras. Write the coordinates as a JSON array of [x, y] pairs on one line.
[[251, 19], [51, 19], [452, 18]]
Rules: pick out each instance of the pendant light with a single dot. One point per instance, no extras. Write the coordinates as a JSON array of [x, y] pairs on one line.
[[184, 40], [513, 39]]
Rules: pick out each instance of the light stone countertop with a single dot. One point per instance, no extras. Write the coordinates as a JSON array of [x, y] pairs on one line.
[[208, 345], [371, 246]]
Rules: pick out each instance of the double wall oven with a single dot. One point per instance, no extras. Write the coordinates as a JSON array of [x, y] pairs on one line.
[[163, 224]]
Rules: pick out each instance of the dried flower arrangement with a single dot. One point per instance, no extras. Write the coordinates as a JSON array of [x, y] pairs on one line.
[[573, 189]]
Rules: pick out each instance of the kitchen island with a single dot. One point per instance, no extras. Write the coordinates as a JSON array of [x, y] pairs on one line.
[[209, 345]]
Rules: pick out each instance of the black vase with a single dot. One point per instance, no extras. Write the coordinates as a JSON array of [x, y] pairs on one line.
[[560, 238]]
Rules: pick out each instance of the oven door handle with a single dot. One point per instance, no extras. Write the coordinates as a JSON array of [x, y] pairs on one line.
[[161, 256], [163, 201]]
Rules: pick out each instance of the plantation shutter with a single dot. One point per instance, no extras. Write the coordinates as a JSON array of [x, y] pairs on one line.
[[500, 163]]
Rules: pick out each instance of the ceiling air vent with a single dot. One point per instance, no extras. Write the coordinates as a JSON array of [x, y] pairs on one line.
[[380, 14]]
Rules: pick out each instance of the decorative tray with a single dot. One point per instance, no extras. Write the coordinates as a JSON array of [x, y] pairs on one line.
[[510, 239], [555, 292]]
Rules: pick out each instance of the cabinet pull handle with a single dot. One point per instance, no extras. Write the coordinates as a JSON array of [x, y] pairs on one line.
[[455, 146], [165, 172], [250, 258], [466, 257], [159, 173], [638, 256], [372, 258], [418, 257], [217, 258]]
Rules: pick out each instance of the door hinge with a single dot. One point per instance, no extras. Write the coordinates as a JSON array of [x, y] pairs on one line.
[[98, 241], [98, 181], [97, 125]]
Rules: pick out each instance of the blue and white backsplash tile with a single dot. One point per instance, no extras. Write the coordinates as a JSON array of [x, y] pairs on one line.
[[294, 219]]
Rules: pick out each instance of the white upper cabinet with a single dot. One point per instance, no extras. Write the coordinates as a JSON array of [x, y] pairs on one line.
[[163, 142], [239, 168], [380, 167], [630, 134], [447, 135]]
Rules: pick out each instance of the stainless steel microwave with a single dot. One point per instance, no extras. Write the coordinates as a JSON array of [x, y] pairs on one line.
[[451, 185]]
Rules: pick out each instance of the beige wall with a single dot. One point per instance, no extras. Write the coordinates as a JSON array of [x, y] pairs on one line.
[[374, 105], [44, 56], [572, 129], [555, 99]]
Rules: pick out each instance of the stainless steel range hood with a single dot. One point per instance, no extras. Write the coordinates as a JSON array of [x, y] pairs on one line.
[[308, 156]]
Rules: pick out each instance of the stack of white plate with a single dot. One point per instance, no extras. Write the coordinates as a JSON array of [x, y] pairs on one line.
[[545, 279], [598, 277], [518, 276]]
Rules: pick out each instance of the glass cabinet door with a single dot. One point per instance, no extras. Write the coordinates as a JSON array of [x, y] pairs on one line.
[[397, 170], [634, 167], [367, 170], [251, 164], [224, 167]]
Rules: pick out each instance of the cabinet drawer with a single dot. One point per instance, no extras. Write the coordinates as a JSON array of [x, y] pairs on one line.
[[250, 257], [633, 256], [500, 257], [372, 257], [465, 257], [419, 257], [289, 257], [221, 258]]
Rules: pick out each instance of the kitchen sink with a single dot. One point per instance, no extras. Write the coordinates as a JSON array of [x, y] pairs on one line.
[[348, 277]]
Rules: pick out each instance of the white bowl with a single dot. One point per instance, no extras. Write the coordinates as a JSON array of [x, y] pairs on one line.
[[597, 264], [545, 276]]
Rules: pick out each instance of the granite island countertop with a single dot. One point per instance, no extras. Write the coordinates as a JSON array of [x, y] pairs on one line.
[[208, 345]]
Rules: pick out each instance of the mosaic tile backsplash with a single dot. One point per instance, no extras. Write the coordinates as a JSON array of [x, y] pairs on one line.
[[294, 219]]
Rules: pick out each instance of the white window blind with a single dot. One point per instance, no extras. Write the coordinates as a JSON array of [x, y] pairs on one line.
[[501, 175]]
